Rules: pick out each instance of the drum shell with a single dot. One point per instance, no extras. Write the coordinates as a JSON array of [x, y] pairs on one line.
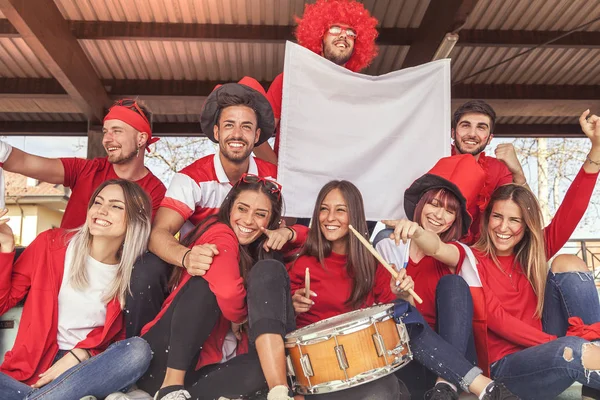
[[364, 358]]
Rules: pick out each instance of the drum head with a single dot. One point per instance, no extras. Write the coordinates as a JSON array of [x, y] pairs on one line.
[[343, 323]]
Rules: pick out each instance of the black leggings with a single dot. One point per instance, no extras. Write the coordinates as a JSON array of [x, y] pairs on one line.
[[181, 331]]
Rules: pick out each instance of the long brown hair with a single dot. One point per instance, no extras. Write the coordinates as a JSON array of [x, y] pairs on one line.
[[449, 202], [530, 252], [250, 253], [360, 263]]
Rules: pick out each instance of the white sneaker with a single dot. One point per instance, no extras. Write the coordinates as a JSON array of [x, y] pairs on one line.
[[136, 394], [279, 392], [176, 395]]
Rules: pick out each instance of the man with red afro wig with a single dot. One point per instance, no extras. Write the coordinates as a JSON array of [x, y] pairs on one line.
[[343, 32]]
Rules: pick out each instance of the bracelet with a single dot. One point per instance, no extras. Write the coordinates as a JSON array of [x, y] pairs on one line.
[[293, 232], [74, 355], [592, 161], [88, 353], [183, 259]]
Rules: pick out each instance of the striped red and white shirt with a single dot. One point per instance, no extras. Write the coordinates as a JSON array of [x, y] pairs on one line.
[[198, 190]]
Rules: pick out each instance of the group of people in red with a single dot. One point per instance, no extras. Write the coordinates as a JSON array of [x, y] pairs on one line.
[[117, 307]]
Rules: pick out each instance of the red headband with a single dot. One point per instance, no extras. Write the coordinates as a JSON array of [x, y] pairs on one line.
[[133, 119]]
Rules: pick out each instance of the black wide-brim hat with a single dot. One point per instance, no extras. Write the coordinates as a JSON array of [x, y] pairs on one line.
[[459, 174], [245, 87]]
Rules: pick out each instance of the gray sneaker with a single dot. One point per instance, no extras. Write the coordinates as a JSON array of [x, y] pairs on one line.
[[176, 395], [136, 394]]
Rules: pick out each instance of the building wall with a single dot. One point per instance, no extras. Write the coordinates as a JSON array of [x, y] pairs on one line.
[[36, 219]]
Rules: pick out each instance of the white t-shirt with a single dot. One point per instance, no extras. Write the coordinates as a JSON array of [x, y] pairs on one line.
[[80, 312]]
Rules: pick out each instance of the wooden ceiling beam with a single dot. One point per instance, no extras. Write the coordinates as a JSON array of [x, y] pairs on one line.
[[43, 28], [143, 87], [118, 30], [441, 17], [174, 129]]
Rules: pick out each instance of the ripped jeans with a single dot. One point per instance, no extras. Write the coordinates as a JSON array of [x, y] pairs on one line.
[[544, 371]]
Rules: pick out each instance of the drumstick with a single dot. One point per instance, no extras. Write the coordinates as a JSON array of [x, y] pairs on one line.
[[307, 283], [387, 266]]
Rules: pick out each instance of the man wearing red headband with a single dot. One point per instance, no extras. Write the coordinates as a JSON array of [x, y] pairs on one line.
[[472, 130], [126, 130], [343, 32], [237, 116]]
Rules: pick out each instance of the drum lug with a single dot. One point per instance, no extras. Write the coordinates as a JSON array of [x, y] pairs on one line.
[[397, 350], [306, 365], [290, 366], [341, 357], [379, 344]]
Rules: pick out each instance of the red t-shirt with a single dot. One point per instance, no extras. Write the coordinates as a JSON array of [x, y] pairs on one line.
[[511, 301], [333, 285], [84, 176], [274, 95], [426, 274]]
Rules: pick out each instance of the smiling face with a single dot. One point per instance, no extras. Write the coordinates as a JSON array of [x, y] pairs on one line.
[[120, 141], [472, 133], [237, 132], [435, 217], [338, 48], [106, 217], [506, 227], [334, 221], [251, 211]]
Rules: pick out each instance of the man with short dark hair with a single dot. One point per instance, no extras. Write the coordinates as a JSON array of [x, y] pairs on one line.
[[126, 131], [238, 117], [472, 130]]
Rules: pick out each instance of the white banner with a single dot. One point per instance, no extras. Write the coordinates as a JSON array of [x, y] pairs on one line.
[[379, 132]]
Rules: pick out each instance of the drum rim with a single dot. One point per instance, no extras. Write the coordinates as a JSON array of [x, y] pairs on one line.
[[296, 337]]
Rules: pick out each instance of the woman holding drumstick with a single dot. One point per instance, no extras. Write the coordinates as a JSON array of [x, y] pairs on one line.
[[344, 276]]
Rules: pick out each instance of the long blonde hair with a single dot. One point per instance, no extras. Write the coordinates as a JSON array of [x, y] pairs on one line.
[[137, 218], [530, 252]]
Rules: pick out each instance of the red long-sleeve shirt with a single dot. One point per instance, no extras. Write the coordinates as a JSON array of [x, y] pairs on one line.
[[333, 285], [511, 301]]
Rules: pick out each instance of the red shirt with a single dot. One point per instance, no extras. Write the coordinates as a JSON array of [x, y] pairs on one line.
[[275, 95], [426, 275], [198, 190], [510, 301], [84, 176], [38, 274], [333, 285], [227, 284]]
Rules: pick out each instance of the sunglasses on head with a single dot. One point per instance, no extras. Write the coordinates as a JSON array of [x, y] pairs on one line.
[[337, 29], [269, 184], [133, 105]]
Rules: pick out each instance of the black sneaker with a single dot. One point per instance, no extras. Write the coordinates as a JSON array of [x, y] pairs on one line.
[[441, 391], [588, 393], [497, 391]]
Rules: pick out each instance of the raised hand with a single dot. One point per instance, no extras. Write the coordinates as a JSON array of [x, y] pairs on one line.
[[506, 153], [402, 284], [7, 239], [277, 238], [198, 261], [590, 125]]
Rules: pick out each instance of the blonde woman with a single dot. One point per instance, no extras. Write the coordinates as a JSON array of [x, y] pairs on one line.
[[76, 283], [527, 304]]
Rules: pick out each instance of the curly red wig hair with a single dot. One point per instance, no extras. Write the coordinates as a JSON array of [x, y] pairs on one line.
[[318, 18]]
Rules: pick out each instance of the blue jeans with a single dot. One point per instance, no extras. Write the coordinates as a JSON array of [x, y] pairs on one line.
[[453, 293], [440, 357], [546, 370], [110, 371]]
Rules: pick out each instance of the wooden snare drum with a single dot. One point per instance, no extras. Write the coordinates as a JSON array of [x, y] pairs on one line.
[[347, 350]]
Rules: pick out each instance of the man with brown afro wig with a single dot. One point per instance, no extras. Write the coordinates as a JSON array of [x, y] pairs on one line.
[[343, 32]]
